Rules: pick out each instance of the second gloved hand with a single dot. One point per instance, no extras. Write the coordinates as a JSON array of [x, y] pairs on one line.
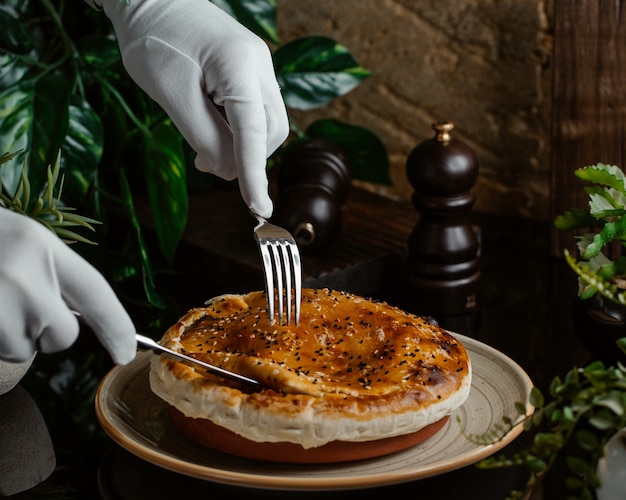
[[200, 64], [42, 281]]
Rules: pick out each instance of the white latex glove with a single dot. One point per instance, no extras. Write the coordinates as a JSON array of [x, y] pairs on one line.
[[189, 56], [42, 281]]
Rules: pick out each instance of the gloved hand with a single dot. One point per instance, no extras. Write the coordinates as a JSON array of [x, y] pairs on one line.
[[42, 281], [193, 59]]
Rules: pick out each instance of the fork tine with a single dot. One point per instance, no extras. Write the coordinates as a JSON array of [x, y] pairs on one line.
[[288, 272], [278, 270], [269, 279], [297, 275]]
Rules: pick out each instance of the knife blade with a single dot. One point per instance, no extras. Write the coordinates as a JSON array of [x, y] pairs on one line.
[[147, 343]]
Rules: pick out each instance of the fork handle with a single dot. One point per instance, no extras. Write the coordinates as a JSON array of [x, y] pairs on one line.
[[260, 220]]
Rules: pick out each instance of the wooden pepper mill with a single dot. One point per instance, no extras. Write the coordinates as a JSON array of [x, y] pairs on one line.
[[443, 249], [313, 183]]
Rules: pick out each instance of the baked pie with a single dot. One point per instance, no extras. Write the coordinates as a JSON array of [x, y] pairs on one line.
[[356, 378]]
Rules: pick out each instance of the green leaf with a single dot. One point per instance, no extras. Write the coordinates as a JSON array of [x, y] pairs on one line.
[[82, 150], [535, 464], [72, 219], [536, 398], [603, 174], [14, 37], [611, 269], [578, 466], [12, 70], [613, 402], [70, 236], [594, 367], [605, 202], [146, 267], [608, 233], [17, 6], [602, 421], [520, 408], [16, 116], [365, 152], [587, 440], [568, 414], [49, 126], [102, 55], [167, 187], [574, 219], [554, 385], [312, 71], [259, 16]]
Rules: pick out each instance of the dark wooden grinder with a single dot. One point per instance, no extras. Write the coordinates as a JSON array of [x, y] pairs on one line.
[[444, 248]]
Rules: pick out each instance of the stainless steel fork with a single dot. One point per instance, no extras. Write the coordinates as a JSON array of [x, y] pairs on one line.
[[282, 268]]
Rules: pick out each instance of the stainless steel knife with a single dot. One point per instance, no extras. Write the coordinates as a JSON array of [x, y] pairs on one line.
[[147, 343]]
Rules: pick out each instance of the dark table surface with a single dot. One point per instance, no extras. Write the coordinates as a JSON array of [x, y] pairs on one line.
[[524, 311]]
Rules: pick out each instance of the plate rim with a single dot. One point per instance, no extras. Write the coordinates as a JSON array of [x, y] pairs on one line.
[[274, 482]]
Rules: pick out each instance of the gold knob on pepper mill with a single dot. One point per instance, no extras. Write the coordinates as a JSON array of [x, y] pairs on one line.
[[443, 129]]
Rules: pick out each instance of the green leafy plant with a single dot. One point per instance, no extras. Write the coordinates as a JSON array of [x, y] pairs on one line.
[[60, 65], [569, 428], [47, 209], [606, 220], [584, 409]]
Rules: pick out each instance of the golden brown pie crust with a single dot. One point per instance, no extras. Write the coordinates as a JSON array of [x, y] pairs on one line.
[[353, 370]]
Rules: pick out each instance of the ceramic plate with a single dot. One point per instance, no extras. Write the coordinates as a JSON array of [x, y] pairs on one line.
[[138, 421]]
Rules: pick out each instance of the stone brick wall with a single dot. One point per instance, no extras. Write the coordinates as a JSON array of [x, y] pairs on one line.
[[482, 64]]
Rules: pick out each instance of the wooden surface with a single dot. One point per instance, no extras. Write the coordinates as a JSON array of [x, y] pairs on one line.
[[589, 101]]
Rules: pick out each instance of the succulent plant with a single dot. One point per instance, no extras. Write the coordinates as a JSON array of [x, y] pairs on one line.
[[605, 219], [46, 208]]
